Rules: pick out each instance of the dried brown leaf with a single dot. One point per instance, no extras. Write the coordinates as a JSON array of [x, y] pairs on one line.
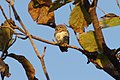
[[6, 72], [29, 69], [45, 17], [2, 65], [34, 12], [45, 2], [6, 33], [39, 11]]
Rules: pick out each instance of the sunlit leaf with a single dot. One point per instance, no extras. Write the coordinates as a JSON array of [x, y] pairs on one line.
[[57, 4], [109, 20], [45, 17], [88, 41], [6, 33], [34, 11], [38, 9], [30, 71], [79, 18]]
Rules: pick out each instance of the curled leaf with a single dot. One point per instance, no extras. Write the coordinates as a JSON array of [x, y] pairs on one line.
[[109, 20], [6, 72], [6, 33], [2, 65], [4, 69], [29, 69], [88, 41]]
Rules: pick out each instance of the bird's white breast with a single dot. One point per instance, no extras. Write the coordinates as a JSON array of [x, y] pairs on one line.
[[61, 35]]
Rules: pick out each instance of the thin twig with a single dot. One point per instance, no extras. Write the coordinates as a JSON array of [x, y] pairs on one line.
[[43, 63], [9, 11], [43, 54], [51, 42], [101, 10], [32, 42], [6, 17], [11, 26], [3, 12], [40, 39], [21, 37], [54, 43], [118, 4], [70, 8]]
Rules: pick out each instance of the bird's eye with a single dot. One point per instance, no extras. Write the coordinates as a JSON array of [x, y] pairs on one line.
[[60, 27]]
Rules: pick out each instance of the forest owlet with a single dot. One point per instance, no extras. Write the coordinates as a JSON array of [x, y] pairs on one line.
[[62, 37]]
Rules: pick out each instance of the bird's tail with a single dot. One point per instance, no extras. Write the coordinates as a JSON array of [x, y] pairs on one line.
[[63, 49]]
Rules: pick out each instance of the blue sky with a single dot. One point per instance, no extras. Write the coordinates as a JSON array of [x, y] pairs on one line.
[[60, 66]]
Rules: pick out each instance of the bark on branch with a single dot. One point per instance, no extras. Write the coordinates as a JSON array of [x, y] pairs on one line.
[[102, 45]]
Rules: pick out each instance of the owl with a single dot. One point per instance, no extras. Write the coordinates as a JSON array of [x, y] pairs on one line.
[[62, 37]]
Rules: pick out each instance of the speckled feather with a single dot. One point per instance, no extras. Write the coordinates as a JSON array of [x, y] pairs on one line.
[[62, 37]]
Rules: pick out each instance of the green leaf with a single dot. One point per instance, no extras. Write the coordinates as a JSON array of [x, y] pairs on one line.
[[79, 18], [57, 4], [30, 71], [88, 41], [109, 20]]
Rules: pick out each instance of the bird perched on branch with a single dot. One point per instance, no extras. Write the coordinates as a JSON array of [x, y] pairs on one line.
[[62, 37]]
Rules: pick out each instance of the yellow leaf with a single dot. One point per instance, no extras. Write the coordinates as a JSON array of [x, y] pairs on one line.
[[109, 20], [88, 41], [79, 18]]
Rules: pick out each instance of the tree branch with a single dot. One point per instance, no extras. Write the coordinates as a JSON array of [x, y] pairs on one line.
[[102, 45], [30, 38], [98, 31], [43, 63], [101, 10], [42, 40], [118, 4]]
